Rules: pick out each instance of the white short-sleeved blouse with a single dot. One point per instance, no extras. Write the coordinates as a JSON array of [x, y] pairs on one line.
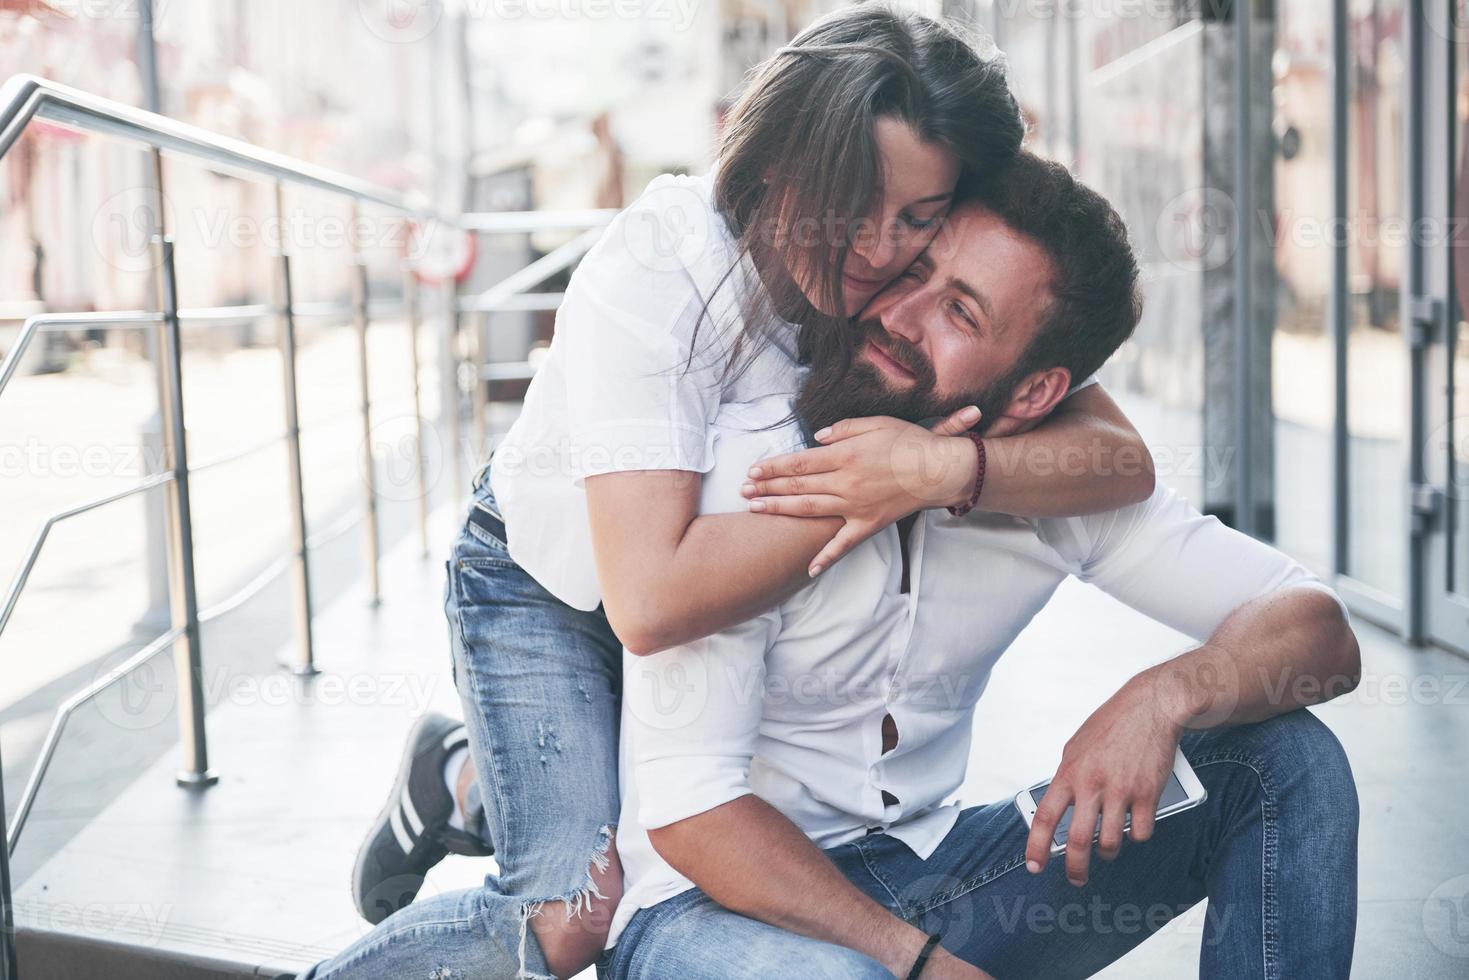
[[619, 389]]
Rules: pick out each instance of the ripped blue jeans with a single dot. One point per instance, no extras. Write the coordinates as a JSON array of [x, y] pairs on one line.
[[541, 684]]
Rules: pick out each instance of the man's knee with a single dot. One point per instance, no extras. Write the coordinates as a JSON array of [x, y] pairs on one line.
[[1308, 760]]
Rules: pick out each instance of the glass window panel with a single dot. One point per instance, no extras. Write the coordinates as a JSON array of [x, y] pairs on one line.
[[1302, 377], [1377, 357]]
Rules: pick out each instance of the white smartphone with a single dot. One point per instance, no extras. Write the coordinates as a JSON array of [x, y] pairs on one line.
[[1182, 791]]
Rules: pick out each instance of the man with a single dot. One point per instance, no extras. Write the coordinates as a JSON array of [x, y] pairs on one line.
[[784, 781]]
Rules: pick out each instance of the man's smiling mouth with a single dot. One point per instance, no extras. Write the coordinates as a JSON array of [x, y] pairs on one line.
[[886, 363]]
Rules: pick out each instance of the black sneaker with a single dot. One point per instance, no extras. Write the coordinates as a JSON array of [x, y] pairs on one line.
[[412, 833]]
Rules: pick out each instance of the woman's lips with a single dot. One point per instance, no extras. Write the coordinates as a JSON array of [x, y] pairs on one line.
[[886, 363], [861, 285]]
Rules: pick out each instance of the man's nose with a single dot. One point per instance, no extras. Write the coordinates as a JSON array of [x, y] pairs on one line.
[[904, 318]]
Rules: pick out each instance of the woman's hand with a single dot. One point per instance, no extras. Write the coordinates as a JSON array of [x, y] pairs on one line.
[[871, 472]]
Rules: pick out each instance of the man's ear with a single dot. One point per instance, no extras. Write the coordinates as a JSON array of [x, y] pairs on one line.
[[1038, 393]]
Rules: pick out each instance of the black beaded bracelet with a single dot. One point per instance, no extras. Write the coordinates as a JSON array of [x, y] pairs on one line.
[[969, 504], [923, 955]]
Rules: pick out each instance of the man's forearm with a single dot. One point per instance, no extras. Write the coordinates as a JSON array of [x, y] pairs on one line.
[[751, 859], [1280, 652]]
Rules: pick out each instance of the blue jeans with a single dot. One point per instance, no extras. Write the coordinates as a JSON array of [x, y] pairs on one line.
[[1273, 849], [541, 685]]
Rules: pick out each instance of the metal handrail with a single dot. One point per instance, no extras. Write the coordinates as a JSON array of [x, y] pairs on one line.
[[235, 455], [523, 222], [26, 97], [68, 321], [229, 314], [63, 715], [516, 303], [18, 584]]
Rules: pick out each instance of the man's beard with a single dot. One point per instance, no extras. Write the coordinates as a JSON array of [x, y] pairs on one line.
[[834, 391]]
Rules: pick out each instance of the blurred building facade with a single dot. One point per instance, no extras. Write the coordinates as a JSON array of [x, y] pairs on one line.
[[1289, 171]]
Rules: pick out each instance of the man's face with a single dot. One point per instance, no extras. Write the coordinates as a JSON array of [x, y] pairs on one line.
[[949, 332]]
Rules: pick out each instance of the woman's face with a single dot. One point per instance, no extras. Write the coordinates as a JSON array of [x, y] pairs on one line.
[[918, 179]]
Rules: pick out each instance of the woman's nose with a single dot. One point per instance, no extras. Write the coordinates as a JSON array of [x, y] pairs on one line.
[[877, 247]]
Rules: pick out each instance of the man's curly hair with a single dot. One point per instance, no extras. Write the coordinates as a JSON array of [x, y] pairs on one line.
[[1096, 302]]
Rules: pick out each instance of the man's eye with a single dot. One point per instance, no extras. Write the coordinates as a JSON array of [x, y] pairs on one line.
[[959, 309]]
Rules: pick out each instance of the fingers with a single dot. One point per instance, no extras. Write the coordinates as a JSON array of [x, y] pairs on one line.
[[789, 486], [1043, 826], [1143, 815], [800, 505], [850, 536], [803, 463], [847, 428], [1079, 839], [1114, 815], [958, 423]]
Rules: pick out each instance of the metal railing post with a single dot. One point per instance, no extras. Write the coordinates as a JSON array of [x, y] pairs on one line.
[[369, 471], [411, 314], [305, 662], [184, 596], [453, 374], [7, 914]]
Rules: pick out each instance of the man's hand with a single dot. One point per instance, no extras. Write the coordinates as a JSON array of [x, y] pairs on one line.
[[1117, 762]]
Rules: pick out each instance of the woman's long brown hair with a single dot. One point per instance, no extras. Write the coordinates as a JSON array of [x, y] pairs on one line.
[[799, 166]]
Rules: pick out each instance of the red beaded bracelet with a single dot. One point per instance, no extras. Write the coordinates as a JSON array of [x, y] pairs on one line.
[[968, 505]]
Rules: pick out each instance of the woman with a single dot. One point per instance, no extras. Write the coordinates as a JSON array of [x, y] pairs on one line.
[[834, 173]]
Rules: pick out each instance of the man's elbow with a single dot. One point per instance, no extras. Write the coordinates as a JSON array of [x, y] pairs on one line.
[[1135, 467], [672, 843], [1349, 654], [1339, 644]]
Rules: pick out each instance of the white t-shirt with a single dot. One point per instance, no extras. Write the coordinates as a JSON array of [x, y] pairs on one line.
[[618, 389]]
